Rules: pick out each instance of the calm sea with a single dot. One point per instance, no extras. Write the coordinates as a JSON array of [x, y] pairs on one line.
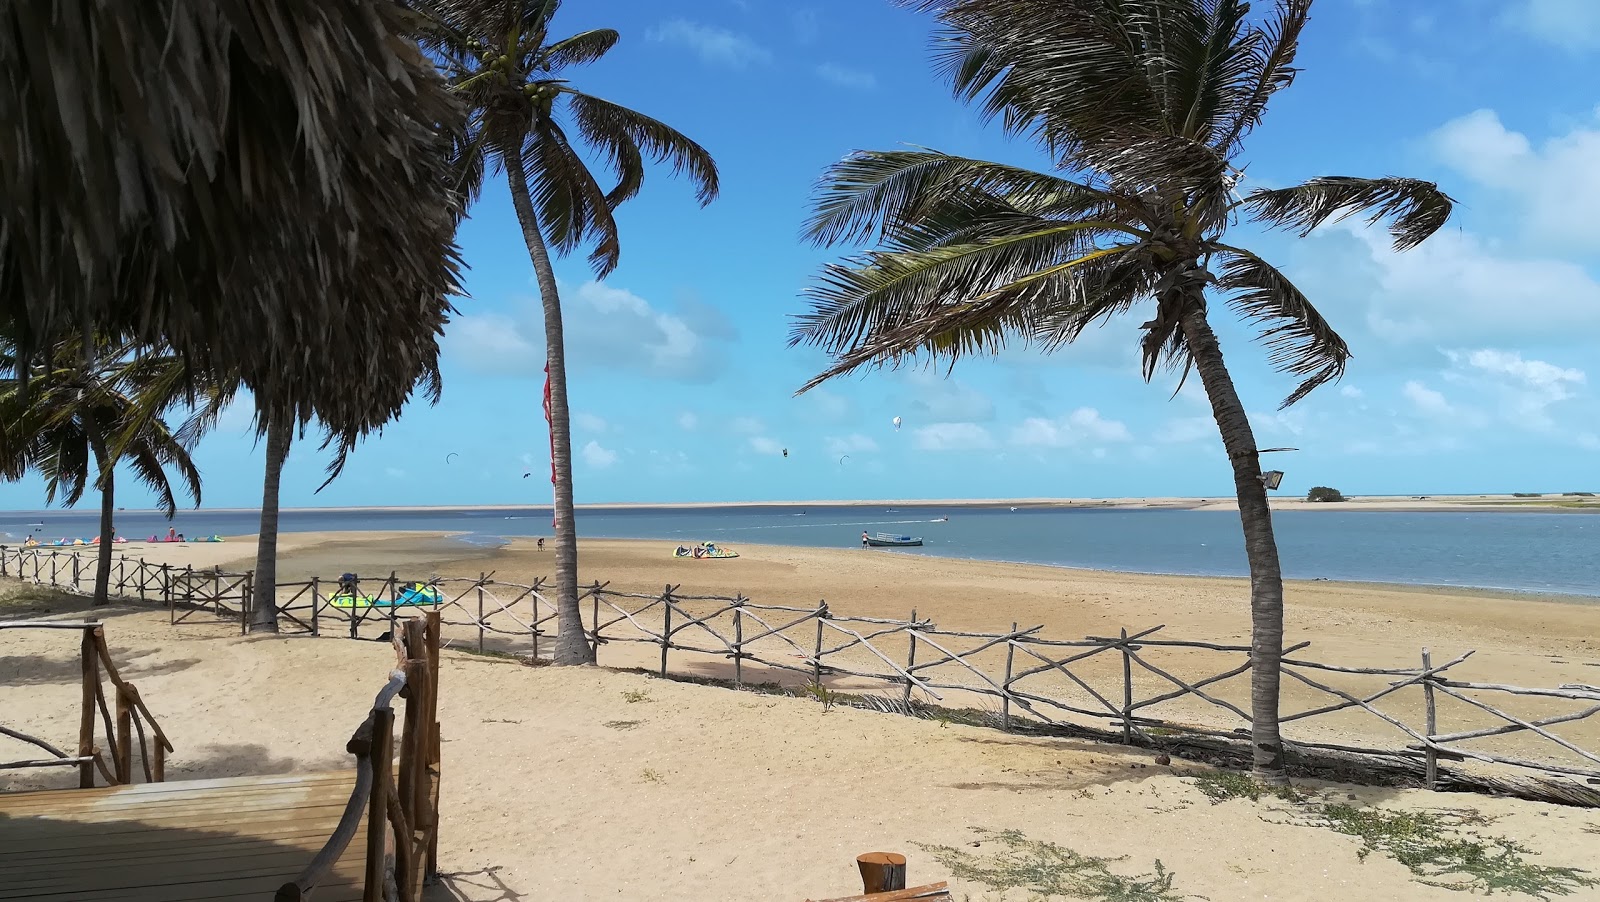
[[1524, 551]]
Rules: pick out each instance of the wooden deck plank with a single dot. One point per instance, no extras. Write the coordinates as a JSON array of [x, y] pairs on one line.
[[184, 841]]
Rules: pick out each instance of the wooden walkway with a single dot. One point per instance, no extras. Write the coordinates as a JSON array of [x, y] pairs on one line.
[[237, 838]]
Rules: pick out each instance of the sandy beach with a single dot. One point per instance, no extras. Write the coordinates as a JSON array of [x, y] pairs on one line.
[[549, 772]]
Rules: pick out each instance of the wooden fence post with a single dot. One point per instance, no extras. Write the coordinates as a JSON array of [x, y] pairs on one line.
[[246, 596], [816, 659], [738, 643], [3, 569], [382, 753], [91, 689], [881, 872], [666, 627], [316, 585], [1005, 697], [594, 601], [124, 741], [533, 625], [911, 660], [394, 595], [1127, 690], [481, 577], [1430, 756]]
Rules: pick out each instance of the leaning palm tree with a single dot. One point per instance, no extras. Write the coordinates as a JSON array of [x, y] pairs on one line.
[[78, 417], [1142, 107], [527, 120]]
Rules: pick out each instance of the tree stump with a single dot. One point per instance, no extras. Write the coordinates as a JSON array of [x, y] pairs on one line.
[[882, 872]]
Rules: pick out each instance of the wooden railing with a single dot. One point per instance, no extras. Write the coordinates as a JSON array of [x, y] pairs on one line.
[[400, 805], [121, 736]]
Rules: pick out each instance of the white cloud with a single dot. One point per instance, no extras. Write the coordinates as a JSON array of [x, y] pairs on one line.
[[1456, 287], [1350, 391], [747, 425], [493, 342], [1187, 429], [850, 444], [763, 445], [1082, 425], [588, 422], [1572, 24], [826, 405], [1524, 389], [1426, 399], [1589, 441], [846, 77], [953, 437], [597, 456], [687, 421], [1558, 183], [937, 399], [717, 46]]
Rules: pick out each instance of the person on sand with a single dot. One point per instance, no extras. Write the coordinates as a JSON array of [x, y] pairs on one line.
[[172, 534], [541, 543], [863, 538]]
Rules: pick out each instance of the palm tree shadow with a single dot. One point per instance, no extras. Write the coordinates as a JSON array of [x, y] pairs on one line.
[[483, 885]]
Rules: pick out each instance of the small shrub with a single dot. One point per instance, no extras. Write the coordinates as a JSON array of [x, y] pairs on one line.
[[1324, 493], [1221, 785], [651, 775], [1049, 870], [634, 696], [622, 724]]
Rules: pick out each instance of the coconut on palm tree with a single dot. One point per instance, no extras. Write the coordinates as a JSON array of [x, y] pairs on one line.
[[1142, 107], [529, 121], [85, 412]]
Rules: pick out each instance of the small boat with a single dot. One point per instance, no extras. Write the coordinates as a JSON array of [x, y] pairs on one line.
[[885, 540]]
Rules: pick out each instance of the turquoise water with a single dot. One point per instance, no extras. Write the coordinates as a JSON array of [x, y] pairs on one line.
[[1516, 550]]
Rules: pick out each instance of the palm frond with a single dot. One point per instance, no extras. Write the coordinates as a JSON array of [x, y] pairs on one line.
[[1415, 208], [1272, 50], [578, 50], [608, 126], [572, 206], [1298, 339], [877, 194]]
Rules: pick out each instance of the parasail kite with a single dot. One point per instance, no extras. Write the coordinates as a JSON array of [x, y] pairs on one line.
[[843, 459], [450, 455], [896, 424], [786, 452]]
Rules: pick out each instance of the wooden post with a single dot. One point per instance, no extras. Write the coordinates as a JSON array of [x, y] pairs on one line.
[[74, 571], [1127, 690], [533, 625], [594, 603], [1430, 756], [911, 661], [738, 644], [481, 577], [378, 803], [394, 596], [91, 686], [52, 569], [816, 658], [316, 591], [124, 749], [881, 872], [1005, 698], [666, 627], [248, 584]]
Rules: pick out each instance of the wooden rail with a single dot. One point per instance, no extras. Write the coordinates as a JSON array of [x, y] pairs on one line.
[[400, 806], [121, 736]]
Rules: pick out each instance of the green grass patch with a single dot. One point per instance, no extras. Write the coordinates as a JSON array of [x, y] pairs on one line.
[[1047, 870], [1435, 845], [651, 775], [622, 724], [1222, 785], [635, 696], [1438, 846]]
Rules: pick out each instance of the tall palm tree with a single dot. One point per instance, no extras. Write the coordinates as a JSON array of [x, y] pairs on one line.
[[527, 120], [1142, 107], [88, 411]]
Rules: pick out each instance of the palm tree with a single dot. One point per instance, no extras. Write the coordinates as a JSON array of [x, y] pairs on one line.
[[79, 417], [527, 120], [1142, 106], [261, 186]]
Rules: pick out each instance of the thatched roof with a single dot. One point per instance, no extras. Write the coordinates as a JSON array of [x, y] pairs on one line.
[[260, 183]]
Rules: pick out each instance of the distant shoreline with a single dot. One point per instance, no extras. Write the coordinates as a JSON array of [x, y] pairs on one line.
[[1549, 502]]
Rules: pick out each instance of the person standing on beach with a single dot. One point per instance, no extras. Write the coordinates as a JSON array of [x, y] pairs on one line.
[[863, 538]]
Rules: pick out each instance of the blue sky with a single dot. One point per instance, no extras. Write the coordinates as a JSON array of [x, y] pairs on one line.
[[1472, 353]]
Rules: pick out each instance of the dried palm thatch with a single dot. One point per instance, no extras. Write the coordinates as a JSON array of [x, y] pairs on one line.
[[260, 184]]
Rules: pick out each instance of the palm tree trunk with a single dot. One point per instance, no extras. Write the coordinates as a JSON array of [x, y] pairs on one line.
[[1261, 548], [572, 646], [108, 510], [264, 598]]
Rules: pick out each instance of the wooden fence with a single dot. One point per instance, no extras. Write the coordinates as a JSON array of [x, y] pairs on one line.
[[1144, 685], [132, 719], [400, 805]]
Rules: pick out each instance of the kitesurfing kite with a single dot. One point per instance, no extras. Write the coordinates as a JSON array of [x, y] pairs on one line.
[[450, 455], [896, 424], [786, 452], [843, 459]]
